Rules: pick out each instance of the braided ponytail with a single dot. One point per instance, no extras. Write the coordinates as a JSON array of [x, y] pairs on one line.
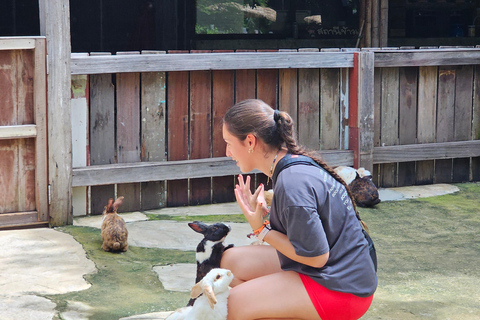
[[288, 136]]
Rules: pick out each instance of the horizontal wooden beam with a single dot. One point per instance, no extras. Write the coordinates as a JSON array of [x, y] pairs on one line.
[[8, 220], [428, 151], [427, 57], [17, 43], [97, 64], [174, 170], [18, 132]]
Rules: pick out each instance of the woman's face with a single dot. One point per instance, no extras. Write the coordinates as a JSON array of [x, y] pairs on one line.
[[238, 151]]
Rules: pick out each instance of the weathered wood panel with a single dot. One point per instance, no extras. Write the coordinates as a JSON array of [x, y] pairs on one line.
[[288, 93], [177, 113], [463, 117], [430, 57], [177, 170], [427, 119], [153, 140], [445, 120], [407, 130], [389, 121], [309, 108], [329, 109], [79, 121], [209, 61], [223, 82], [102, 135], [200, 132], [128, 134], [426, 151], [476, 122]]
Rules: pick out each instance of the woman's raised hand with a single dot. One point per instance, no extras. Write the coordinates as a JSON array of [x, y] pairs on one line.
[[253, 206]]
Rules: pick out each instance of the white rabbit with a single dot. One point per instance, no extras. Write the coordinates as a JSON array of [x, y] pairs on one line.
[[212, 294]]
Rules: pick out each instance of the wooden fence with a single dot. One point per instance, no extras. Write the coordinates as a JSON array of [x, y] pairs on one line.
[[148, 126]]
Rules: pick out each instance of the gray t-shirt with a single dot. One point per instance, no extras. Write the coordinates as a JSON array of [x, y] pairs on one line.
[[316, 214]]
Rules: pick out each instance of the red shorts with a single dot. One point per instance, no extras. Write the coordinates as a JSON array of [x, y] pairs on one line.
[[334, 305]]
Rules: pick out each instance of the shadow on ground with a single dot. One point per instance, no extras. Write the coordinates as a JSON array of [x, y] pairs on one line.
[[428, 264]]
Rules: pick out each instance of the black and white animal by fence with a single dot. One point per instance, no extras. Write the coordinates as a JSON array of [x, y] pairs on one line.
[[361, 185], [210, 249], [212, 294]]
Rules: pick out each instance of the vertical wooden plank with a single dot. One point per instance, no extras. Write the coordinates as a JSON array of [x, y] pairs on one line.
[[329, 109], [309, 108], [288, 93], [344, 107], [407, 121], [79, 119], [245, 88], [128, 134], [366, 110], [40, 119], [25, 65], [9, 176], [8, 148], [200, 132], [267, 83], [223, 96], [389, 121], [177, 113], [445, 123], [153, 140], [426, 128], [475, 163], [245, 83], [102, 135], [377, 97], [463, 118], [55, 25]]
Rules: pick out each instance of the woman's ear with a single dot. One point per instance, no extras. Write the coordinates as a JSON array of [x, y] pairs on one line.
[[251, 140]]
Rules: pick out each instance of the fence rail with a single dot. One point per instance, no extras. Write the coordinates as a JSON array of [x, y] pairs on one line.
[[411, 116]]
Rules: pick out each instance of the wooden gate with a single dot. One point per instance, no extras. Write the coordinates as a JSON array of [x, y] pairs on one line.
[[23, 133]]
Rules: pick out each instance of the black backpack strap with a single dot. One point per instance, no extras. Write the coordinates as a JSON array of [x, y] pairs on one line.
[[290, 160]]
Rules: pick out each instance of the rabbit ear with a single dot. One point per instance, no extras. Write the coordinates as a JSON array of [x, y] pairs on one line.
[[198, 226], [196, 290], [117, 203], [208, 292]]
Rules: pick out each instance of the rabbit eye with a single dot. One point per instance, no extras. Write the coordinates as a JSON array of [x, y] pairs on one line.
[[218, 277]]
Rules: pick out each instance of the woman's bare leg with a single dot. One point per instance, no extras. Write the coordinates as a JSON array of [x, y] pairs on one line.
[[250, 262], [261, 290]]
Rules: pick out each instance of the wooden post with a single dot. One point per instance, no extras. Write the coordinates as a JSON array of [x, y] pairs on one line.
[[361, 110], [55, 25]]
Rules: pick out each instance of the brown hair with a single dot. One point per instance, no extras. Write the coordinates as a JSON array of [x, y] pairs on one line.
[[256, 117]]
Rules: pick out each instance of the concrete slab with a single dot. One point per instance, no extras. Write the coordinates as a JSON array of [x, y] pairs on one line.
[[177, 277], [42, 261], [208, 209], [178, 235], [26, 307], [96, 220], [413, 192]]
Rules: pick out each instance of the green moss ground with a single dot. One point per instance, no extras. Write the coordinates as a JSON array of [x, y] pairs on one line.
[[428, 253]]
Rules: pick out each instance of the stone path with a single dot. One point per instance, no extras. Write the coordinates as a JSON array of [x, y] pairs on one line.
[[37, 262]]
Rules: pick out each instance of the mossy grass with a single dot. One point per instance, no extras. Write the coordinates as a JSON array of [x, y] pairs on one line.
[[428, 263]]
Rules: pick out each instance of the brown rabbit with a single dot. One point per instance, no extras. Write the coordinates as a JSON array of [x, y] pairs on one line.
[[114, 229]]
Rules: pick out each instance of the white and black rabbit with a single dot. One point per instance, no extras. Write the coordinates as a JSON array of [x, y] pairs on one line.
[[210, 250]]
